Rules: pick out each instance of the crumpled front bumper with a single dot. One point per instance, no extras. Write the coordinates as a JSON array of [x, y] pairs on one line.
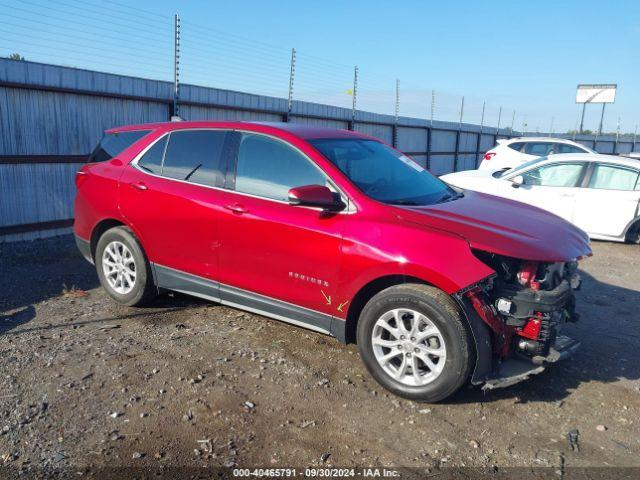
[[517, 369]]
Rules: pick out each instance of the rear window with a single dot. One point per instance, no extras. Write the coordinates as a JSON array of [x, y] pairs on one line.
[[112, 144]]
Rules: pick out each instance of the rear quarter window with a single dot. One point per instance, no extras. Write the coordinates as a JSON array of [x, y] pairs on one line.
[[112, 144]]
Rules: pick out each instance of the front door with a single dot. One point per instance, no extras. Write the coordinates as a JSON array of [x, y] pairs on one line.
[[274, 256], [550, 187]]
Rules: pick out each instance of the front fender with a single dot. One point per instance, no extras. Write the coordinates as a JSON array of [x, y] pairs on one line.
[[438, 258]]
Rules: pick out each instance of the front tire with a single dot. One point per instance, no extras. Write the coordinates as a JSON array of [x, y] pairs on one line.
[[123, 268], [414, 341]]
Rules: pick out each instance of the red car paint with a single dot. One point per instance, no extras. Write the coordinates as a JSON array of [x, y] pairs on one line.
[[295, 254]]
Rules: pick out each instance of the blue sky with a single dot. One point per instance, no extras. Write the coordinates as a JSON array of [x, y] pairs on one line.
[[527, 56]]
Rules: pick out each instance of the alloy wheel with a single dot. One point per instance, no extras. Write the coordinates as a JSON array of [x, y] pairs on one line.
[[119, 267], [409, 347]]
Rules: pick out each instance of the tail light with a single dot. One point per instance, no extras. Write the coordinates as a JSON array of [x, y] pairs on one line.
[[489, 155]]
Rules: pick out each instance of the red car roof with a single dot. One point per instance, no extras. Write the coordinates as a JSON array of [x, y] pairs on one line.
[[299, 130]]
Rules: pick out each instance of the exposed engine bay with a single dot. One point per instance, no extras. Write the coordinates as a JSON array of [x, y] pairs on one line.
[[525, 305]]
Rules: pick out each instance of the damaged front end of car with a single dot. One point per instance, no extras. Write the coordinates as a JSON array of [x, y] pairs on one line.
[[523, 307]]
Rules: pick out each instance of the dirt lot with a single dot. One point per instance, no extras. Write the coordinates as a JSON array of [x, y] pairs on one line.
[[86, 383]]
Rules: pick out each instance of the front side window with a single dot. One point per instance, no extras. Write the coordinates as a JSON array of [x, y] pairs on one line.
[[537, 148], [609, 177], [195, 156], [270, 168], [556, 175], [520, 168], [383, 173], [565, 148], [112, 144]]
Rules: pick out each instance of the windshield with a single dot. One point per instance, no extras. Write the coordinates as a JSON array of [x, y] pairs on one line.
[[382, 173], [521, 168]]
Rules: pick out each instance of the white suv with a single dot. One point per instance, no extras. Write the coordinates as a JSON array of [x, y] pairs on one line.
[[509, 153]]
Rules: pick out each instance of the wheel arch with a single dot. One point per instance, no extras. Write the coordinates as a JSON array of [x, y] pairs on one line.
[[482, 348], [365, 293], [99, 229], [633, 228]]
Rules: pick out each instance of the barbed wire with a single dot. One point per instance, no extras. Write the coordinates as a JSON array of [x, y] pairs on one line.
[[140, 42]]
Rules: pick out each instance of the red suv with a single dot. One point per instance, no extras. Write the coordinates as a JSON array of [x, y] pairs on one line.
[[337, 232]]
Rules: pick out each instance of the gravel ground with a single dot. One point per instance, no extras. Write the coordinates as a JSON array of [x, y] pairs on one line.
[[87, 385]]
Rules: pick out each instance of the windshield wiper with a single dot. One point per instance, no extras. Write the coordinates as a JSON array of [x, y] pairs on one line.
[[450, 197], [192, 172], [404, 202]]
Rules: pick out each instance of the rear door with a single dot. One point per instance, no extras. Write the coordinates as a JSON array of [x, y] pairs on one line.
[[608, 202], [170, 194], [551, 187]]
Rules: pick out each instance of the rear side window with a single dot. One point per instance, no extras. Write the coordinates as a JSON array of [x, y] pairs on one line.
[[269, 168], [538, 149], [195, 156], [112, 144], [609, 177]]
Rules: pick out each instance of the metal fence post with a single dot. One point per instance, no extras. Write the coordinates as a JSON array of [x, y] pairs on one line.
[[499, 118], [429, 137], [397, 113], [457, 150], [635, 133], [292, 72], [352, 124], [433, 105], [615, 145], [551, 126], [513, 121], [479, 139], [176, 68]]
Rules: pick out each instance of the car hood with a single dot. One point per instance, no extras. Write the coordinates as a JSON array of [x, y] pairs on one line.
[[504, 227]]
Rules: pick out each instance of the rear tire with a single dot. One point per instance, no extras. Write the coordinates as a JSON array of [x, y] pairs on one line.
[[123, 268], [414, 341]]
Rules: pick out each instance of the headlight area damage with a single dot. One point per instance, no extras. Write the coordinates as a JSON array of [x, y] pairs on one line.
[[524, 306]]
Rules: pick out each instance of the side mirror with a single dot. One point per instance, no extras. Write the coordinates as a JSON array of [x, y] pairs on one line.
[[316, 196], [517, 181]]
